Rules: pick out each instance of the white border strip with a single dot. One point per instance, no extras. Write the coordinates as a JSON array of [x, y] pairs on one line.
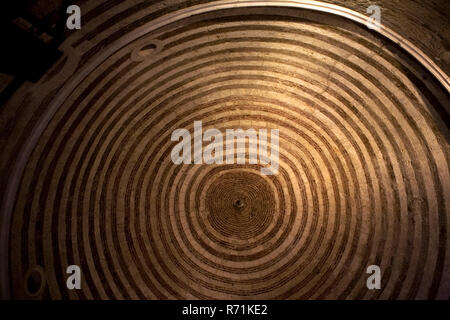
[[22, 158]]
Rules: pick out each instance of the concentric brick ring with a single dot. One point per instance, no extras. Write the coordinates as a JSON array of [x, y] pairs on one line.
[[363, 170]]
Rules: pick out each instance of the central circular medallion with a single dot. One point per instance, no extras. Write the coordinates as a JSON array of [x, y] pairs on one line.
[[240, 204]]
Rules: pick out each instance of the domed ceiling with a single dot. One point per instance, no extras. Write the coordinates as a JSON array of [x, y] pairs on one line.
[[362, 176]]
